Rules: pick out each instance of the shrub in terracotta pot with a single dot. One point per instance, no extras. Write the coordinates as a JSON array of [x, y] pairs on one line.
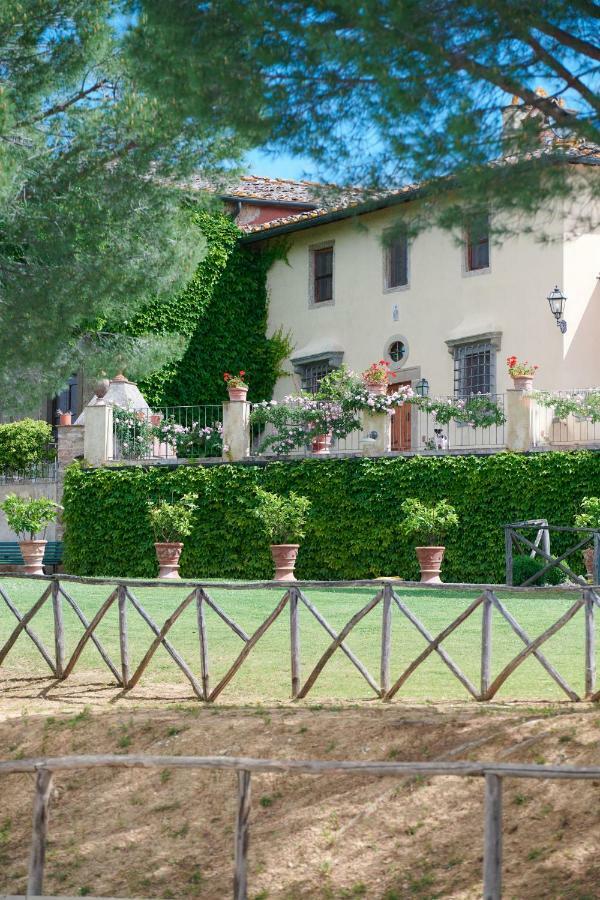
[[28, 517], [171, 523], [376, 377], [522, 373], [429, 525], [283, 520], [236, 385], [589, 517]]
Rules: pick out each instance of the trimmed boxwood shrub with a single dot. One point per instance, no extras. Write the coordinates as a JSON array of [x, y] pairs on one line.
[[524, 566], [352, 531], [24, 444]]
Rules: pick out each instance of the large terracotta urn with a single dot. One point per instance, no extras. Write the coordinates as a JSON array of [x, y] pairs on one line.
[[522, 382], [588, 558], [284, 557], [430, 560], [168, 559], [238, 393], [377, 388], [321, 443], [33, 556]]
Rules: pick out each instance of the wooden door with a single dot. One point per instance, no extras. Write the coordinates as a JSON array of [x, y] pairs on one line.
[[401, 421]]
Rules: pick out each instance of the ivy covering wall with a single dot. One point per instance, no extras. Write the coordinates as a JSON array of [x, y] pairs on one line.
[[223, 314], [352, 530]]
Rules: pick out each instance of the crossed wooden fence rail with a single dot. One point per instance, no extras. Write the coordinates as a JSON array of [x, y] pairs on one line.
[[493, 773], [386, 595], [539, 548]]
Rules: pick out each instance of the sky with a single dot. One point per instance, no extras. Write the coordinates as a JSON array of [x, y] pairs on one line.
[[281, 165]]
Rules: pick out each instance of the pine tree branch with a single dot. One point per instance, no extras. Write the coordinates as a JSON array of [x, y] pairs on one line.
[[61, 107], [568, 39], [571, 80], [459, 61]]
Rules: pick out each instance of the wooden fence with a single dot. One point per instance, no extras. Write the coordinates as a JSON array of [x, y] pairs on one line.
[[539, 548], [387, 596], [493, 773]]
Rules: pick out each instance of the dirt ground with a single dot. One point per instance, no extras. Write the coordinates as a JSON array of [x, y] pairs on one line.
[[168, 833]]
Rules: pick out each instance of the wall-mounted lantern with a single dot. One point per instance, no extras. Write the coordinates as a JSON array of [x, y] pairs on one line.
[[422, 388], [557, 301]]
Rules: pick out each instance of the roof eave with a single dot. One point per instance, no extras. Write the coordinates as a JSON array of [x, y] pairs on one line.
[[267, 201], [359, 209]]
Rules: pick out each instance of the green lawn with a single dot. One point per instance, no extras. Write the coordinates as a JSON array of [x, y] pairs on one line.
[[265, 674]]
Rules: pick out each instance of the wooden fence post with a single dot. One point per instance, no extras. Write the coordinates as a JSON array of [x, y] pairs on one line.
[[492, 851], [590, 645], [508, 551], [203, 643], [59, 629], [545, 540], [597, 557], [43, 785], [295, 642], [123, 642], [240, 881], [486, 644], [386, 639]]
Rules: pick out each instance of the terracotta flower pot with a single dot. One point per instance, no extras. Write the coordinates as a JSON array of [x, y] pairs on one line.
[[321, 443], [588, 558], [168, 559], [377, 388], [33, 556], [284, 557], [237, 393], [430, 560], [522, 382], [65, 418]]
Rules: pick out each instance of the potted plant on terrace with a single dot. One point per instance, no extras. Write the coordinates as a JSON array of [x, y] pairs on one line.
[[589, 517], [27, 517], [236, 385], [522, 373], [64, 418], [376, 377], [171, 523], [283, 520], [430, 525]]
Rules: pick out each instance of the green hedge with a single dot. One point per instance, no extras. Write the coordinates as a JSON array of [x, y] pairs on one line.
[[24, 444], [352, 529]]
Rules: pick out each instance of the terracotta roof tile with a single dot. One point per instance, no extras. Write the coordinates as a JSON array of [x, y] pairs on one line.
[[280, 190]]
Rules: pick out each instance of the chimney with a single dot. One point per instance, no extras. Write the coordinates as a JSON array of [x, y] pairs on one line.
[[518, 114]]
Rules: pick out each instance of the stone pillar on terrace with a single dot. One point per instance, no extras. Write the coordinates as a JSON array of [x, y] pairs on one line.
[[98, 433], [376, 437], [69, 448], [70, 444], [522, 420], [236, 430]]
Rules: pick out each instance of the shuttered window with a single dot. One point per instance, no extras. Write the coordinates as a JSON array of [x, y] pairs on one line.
[[478, 244], [322, 275], [396, 256]]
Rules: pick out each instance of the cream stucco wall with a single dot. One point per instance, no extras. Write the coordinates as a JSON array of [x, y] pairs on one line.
[[442, 302]]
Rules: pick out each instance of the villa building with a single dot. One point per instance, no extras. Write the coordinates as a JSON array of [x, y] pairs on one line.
[[437, 309]]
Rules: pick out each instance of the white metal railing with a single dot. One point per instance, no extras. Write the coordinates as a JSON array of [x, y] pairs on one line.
[[563, 429], [168, 433], [460, 435]]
